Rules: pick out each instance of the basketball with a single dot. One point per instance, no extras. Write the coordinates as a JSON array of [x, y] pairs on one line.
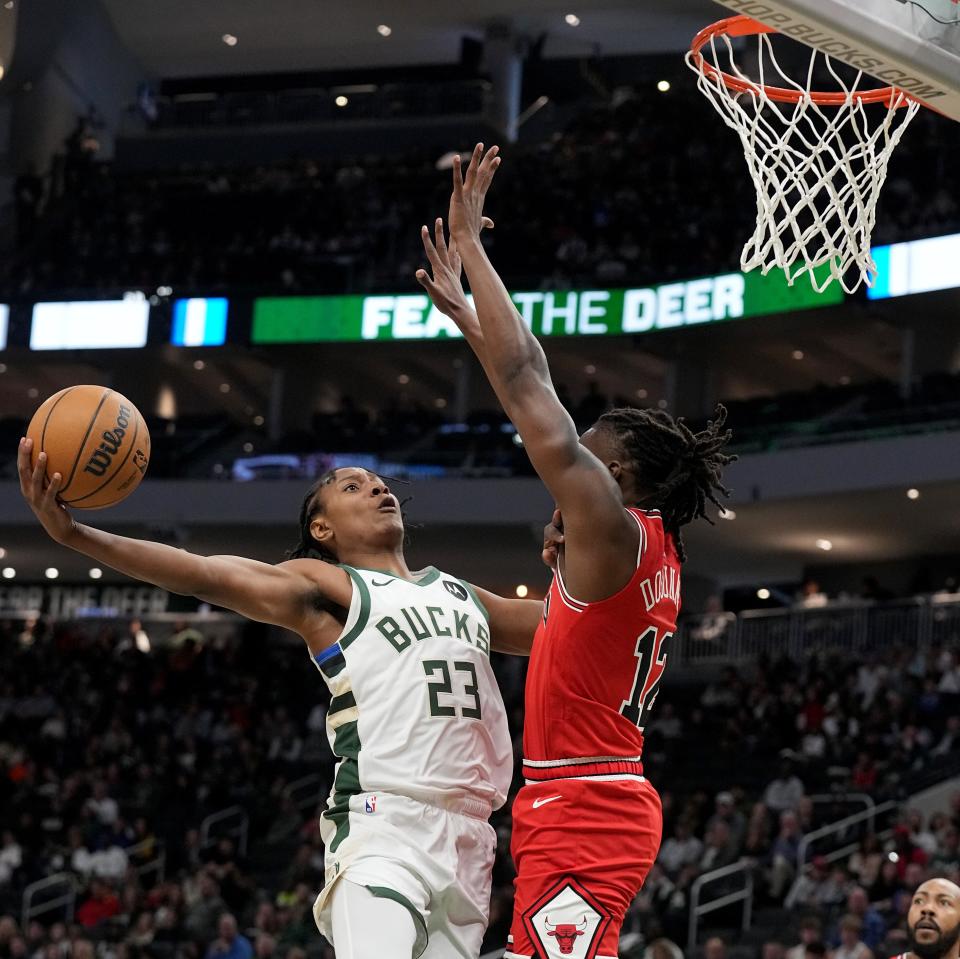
[[98, 442]]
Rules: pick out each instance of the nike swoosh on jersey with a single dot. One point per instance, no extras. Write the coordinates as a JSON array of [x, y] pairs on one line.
[[537, 803], [373, 582]]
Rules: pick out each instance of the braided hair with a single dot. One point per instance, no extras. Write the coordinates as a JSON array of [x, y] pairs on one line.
[[308, 547], [681, 469]]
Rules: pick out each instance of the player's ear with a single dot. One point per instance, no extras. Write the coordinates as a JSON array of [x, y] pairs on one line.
[[616, 469], [320, 529]]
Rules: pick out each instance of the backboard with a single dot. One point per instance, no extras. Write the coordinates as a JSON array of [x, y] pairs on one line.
[[910, 44]]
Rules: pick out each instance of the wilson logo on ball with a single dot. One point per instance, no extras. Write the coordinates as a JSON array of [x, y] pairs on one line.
[[103, 455]]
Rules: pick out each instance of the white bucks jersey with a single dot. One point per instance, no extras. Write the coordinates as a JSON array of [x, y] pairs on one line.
[[415, 708]]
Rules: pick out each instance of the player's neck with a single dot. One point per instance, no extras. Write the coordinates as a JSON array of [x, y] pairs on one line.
[[383, 561]]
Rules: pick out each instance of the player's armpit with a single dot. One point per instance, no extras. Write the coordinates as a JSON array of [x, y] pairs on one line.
[[513, 622], [286, 595]]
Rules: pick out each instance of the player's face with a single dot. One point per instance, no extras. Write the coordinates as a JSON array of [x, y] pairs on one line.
[[933, 922], [358, 510]]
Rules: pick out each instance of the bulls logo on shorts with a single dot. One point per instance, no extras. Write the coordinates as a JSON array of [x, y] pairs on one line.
[[566, 921], [454, 589]]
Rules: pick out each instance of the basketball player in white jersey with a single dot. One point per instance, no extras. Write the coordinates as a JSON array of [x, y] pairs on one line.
[[415, 718], [933, 922]]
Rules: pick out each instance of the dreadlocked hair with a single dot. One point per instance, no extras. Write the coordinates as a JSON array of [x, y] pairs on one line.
[[308, 547], [681, 469]]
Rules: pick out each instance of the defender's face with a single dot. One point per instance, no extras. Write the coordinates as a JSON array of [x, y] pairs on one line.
[[933, 921]]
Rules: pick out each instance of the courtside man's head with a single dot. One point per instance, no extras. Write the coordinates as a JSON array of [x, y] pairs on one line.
[[933, 922]]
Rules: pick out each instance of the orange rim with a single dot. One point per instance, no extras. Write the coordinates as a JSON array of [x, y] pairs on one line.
[[742, 26]]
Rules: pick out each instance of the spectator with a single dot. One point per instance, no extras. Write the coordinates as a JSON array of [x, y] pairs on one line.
[[785, 792], [11, 856], [811, 930], [783, 855], [229, 944], [773, 950], [680, 850], [851, 945], [865, 863], [718, 850], [100, 905], [715, 948], [202, 918], [726, 812], [873, 928], [810, 596]]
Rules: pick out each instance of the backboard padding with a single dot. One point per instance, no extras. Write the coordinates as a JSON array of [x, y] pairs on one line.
[[898, 42]]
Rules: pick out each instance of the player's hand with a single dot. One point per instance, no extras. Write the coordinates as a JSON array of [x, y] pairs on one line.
[[553, 540], [466, 203], [41, 495], [445, 287]]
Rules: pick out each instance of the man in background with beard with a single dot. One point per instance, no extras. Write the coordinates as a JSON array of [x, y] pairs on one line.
[[933, 923]]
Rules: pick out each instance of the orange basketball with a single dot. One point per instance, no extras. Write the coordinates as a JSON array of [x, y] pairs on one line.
[[96, 440]]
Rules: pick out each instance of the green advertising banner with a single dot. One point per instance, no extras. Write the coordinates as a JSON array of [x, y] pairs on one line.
[[316, 319]]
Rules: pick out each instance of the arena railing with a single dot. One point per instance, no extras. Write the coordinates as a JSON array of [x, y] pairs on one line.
[[239, 829], [841, 829], [855, 627], [66, 899], [306, 793], [156, 865], [742, 868]]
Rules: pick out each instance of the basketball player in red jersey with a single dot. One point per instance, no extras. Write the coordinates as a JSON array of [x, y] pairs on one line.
[[933, 922], [587, 824]]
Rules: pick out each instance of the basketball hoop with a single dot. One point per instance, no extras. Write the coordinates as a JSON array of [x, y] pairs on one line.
[[817, 160]]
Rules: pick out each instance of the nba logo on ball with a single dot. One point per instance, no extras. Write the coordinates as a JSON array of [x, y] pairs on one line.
[[370, 804]]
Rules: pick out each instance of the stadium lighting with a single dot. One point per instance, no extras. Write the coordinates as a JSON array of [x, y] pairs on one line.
[[403, 379], [95, 572], [642, 394], [258, 420], [728, 513], [797, 354], [590, 369], [8, 5], [3, 553], [248, 447], [522, 590], [913, 493], [663, 86], [572, 20], [164, 291], [763, 593], [224, 387], [198, 364], [384, 30], [825, 545], [230, 40], [51, 572], [341, 101], [9, 572]]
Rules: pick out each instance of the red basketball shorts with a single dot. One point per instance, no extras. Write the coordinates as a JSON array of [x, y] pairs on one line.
[[582, 849]]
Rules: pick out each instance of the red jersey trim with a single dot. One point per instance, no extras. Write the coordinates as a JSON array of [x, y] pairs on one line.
[[578, 605]]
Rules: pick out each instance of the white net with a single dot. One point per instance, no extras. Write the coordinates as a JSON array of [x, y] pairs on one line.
[[817, 168]]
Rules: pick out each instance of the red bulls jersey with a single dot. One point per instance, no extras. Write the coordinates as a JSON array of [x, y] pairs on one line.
[[595, 668]]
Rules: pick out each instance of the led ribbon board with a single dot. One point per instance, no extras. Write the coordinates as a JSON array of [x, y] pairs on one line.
[[618, 312], [91, 325]]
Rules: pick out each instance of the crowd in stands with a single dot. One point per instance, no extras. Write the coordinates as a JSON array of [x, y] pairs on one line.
[[111, 750], [642, 189]]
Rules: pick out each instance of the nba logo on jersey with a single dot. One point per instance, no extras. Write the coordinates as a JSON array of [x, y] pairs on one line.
[[567, 921], [370, 804]]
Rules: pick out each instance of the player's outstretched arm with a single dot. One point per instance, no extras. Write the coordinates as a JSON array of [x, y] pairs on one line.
[[282, 595], [603, 535], [512, 622]]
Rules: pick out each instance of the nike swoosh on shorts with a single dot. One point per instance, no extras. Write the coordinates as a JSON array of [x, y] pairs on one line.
[[537, 803]]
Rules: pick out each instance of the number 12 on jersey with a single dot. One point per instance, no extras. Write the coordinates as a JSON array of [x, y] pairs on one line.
[[651, 662]]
